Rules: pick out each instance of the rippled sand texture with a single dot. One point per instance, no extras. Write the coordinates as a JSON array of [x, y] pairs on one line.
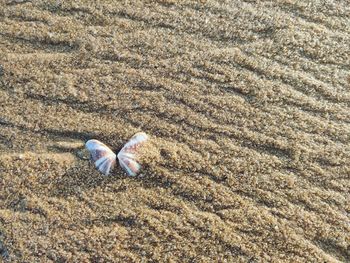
[[248, 107]]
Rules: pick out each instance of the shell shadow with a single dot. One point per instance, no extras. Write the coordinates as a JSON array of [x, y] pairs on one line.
[[84, 177]]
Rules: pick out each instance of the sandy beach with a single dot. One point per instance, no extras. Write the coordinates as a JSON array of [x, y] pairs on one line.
[[247, 105]]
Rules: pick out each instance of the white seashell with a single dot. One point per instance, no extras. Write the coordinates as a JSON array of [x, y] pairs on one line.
[[103, 157], [128, 154]]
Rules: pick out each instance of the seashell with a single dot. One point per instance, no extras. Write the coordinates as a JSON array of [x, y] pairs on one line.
[[103, 157], [128, 154]]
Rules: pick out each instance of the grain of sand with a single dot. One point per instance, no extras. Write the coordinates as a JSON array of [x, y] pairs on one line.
[[248, 107]]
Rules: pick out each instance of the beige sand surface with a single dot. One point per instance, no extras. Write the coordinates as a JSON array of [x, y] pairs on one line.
[[248, 107]]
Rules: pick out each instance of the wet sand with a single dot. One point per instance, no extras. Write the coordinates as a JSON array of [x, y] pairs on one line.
[[248, 108]]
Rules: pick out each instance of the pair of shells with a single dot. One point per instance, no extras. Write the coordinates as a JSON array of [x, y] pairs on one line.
[[105, 158]]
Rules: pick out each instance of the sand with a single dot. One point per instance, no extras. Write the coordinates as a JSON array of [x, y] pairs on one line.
[[247, 104]]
